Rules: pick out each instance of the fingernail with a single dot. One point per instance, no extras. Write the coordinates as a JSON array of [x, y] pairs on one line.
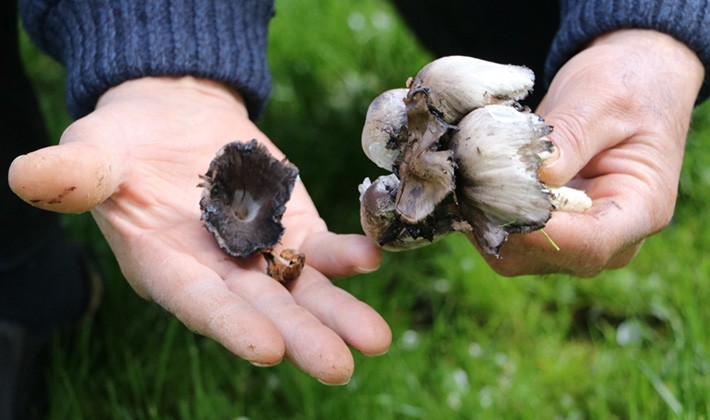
[[334, 384], [378, 354], [19, 159], [365, 270], [264, 365], [549, 156]]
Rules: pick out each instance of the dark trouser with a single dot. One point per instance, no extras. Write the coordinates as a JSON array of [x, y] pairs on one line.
[[22, 227], [41, 283], [510, 32]]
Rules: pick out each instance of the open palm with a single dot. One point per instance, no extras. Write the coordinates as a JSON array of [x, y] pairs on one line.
[[135, 163]]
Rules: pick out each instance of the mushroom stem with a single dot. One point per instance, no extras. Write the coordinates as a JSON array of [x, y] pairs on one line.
[[570, 199]]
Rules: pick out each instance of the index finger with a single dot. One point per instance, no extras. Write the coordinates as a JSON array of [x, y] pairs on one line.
[[606, 236]]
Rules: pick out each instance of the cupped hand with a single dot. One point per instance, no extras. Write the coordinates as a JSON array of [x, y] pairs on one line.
[[135, 161], [621, 110]]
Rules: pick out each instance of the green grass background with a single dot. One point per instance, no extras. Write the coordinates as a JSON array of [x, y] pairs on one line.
[[632, 343]]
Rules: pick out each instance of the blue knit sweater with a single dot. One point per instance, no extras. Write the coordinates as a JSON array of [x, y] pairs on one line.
[[105, 42]]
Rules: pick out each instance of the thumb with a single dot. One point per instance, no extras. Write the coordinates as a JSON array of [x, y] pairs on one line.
[[72, 177], [581, 131]]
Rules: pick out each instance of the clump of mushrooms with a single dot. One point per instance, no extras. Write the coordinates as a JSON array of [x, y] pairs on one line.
[[464, 156], [243, 201]]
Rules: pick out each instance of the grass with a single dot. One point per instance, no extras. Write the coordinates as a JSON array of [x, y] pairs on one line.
[[632, 343]]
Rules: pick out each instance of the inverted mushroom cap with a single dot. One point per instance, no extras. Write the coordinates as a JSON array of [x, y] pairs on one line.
[[244, 198]]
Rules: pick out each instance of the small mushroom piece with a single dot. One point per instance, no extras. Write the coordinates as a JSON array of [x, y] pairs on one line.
[[377, 212], [456, 85], [426, 168], [498, 152], [244, 198], [286, 267], [381, 223], [385, 128]]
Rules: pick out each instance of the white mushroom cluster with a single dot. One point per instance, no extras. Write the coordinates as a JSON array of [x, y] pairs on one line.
[[463, 155]]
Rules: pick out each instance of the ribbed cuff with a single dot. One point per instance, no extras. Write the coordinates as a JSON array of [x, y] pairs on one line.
[[584, 20], [106, 42]]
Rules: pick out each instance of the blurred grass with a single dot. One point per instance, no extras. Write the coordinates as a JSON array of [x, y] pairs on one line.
[[632, 343]]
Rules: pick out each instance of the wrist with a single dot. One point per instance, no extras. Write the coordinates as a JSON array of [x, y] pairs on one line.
[[188, 91]]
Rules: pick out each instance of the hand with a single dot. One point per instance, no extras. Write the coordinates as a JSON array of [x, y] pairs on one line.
[[135, 162], [621, 110]]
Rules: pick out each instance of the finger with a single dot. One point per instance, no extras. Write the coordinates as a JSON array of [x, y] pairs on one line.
[[341, 255], [586, 121], [577, 140], [69, 178], [606, 236], [200, 299], [355, 322], [208, 307], [578, 249], [310, 345]]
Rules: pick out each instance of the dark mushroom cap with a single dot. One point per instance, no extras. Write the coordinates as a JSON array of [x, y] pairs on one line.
[[246, 190], [381, 223]]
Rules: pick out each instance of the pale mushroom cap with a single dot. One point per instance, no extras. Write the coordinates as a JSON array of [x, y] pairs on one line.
[[426, 172], [385, 119], [377, 208], [457, 84], [497, 150], [498, 154]]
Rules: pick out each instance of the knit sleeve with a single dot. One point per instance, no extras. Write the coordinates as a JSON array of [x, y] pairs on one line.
[[103, 43], [583, 20]]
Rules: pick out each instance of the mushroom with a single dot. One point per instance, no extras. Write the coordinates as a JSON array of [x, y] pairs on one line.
[[498, 153], [381, 221], [466, 158], [385, 128], [426, 168], [244, 199], [287, 268], [456, 85]]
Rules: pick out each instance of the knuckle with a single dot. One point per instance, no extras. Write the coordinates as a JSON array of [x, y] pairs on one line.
[[597, 258], [662, 218], [592, 259], [624, 258], [501, 267], [511, 264]]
